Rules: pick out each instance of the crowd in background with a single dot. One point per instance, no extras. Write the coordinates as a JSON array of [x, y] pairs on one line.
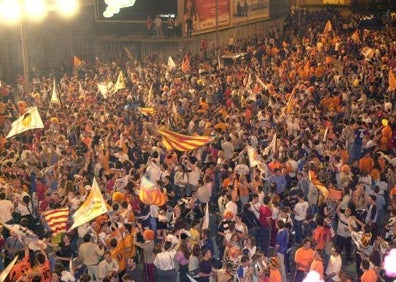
[[330, 108]]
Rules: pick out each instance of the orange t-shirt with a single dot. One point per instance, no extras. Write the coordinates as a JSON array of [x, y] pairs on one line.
[[275, 275], [317, 265], [304, 258], [19, 269], [369, 276]]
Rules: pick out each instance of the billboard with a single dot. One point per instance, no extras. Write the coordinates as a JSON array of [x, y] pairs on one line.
[[247, 10], [202, 13], [139, 11]]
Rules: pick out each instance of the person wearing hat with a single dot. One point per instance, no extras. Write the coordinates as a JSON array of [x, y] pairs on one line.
[[148, 251], [275, 275]]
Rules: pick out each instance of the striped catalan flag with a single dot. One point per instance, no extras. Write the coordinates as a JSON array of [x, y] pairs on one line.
[[179, 142], [186, 67], [319, 185], [146, 111], [57, 220]]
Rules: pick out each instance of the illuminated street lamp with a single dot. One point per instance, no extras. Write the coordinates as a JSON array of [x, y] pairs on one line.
[[16, 11]]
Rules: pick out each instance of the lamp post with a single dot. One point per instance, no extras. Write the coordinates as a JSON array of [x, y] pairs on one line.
[[15, 11]]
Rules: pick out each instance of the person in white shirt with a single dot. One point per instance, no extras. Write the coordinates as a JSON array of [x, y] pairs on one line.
[[165, 263], [6, 209], [334, 266], [228, 148], [300, 212], [231, 206], [108, 266]]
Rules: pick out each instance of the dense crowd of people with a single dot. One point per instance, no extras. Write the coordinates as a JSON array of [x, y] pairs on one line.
[[322, 199]]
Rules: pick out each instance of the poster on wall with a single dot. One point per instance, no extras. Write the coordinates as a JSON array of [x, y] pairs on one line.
[[246, 10], [200, 15]]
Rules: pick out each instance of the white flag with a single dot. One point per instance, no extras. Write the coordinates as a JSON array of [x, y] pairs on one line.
[[93, 206], [261, 82], [171, 63], [270, 150], [205, 223], [55, 97], [120, 84], [29, 120], [103, 89], [7, 270]]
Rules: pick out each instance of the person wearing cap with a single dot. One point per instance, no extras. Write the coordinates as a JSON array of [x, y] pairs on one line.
[[275, 275]]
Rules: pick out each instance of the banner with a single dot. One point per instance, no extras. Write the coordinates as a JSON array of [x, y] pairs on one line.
[[202, 13], [246, 10]]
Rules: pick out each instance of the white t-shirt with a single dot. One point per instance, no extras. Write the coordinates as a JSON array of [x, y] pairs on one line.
[[334, 265], [6, 208], [301, 209]]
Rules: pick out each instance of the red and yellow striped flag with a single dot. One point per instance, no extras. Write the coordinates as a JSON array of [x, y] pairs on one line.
[[392, 80], [328, 27], [319, 185], [146, 111], [57, 220], [179, 142], [186, 67], [355, 36]]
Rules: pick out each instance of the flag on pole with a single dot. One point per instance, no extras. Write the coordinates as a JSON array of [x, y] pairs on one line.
[[57, 220], [120, 84], [81, 90], [7, 270], [186, 67], [327, 27], [55, 97], [314, 180], [29, 120], [249, 81], [392, 81], [218, 62], [93, 206], [179, 142], [306, 68], [355, 36], [175, 111], [146, 111], [271, 148], [260, 82], [368, 53], [151, 194], [325, 134], [128, 53], [77, 64], [171, 63], [150, 93], [205, 222], [103, 89]]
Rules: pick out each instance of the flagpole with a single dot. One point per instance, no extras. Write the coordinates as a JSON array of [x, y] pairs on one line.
[[25, 59]]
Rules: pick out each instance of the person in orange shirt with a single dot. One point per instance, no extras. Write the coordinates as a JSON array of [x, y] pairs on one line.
[[369, 275], [317, 264], [275, 275], [303, 259], [366, 163], [20, 268]]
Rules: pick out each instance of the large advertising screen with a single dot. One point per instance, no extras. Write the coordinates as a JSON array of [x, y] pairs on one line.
[[139, 11], [202, 13], [247, 10]]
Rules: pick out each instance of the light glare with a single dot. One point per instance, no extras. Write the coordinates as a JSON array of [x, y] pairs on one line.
[[10, 10], [67, 7], [35, 9]]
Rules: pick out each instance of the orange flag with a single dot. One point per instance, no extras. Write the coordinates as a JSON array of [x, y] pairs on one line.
[[186, 67], [306, 68], [319, 185], [77, 64], [392, 80]]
